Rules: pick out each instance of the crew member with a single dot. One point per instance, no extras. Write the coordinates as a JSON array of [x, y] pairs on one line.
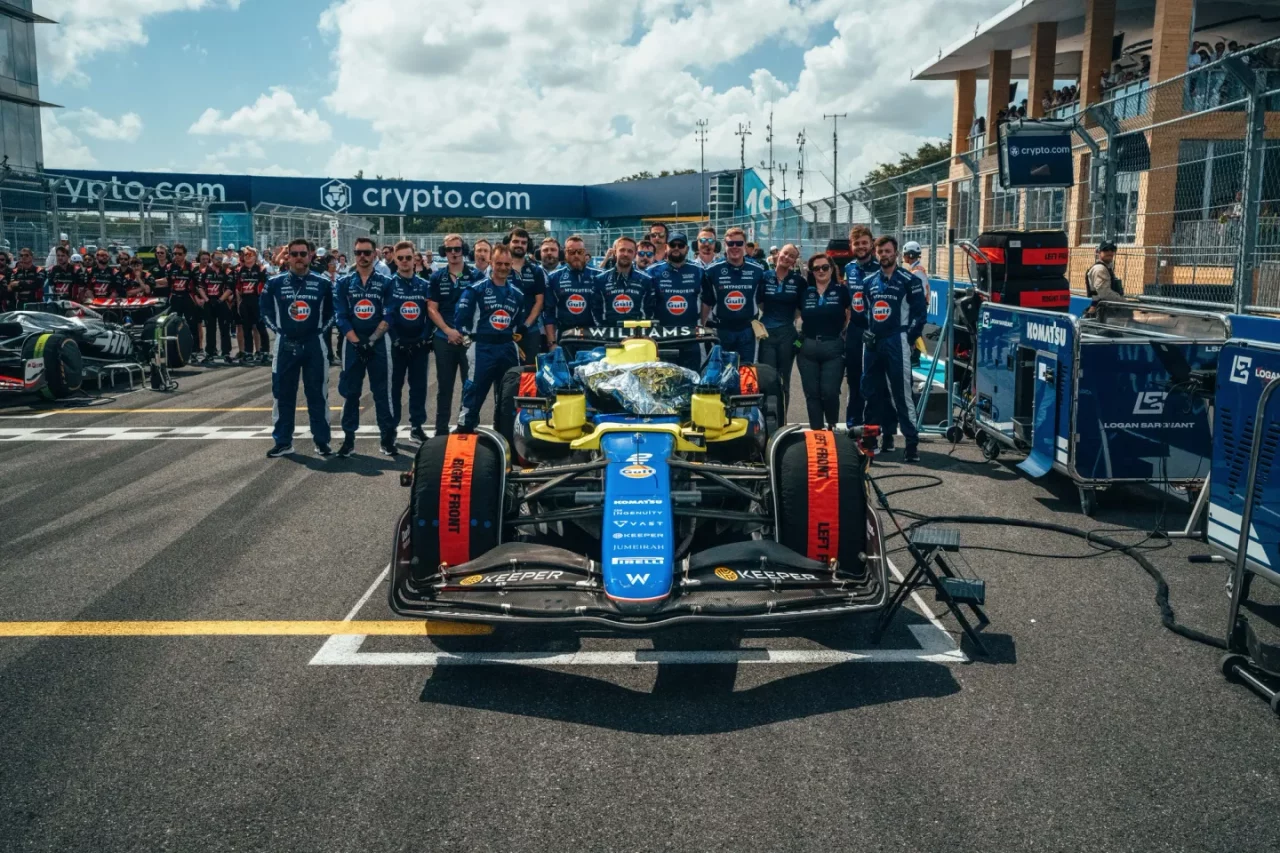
[[219, 288], [447, 343], [6, 277], [824, 312], [571, 291], [1100, 281], [103, 279], [250, 278], [298, 306], [64, 280], [708, 246], [26, 283], [137, 281], [783, 287], [864, 262], [406, 314], [624, 292], [187, 298], [644, 255], [895, 315], [659, 236], [480, 253], [731, 291], [159, 284], [912, 264], [359, 307], [549, 256], [533, 283], [491, 312], [678, 288]]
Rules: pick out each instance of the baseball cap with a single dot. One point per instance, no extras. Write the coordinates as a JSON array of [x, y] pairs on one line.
[[63, 237], [677, 237], [77, 258], [1106, 247]]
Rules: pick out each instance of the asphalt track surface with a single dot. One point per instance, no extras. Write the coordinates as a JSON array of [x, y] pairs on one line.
[[1091, 727]]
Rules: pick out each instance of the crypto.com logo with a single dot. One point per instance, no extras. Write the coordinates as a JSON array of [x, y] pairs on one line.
[[335, 196]]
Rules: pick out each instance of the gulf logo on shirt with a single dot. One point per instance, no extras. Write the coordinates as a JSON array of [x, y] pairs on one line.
[[363, 310], [623, 303], [880, 311], [300, 310], [577, 303], [677, 305], [500, 320], [734, 300], [411, 311], [858, 304]]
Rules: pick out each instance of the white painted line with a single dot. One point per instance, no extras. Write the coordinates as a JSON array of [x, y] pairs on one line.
[[924, 609], [177, 433], [26, 417], [368, 593]]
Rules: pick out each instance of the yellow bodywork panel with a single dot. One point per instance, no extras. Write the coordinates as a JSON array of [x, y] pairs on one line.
[[632, 351], [568, 416]]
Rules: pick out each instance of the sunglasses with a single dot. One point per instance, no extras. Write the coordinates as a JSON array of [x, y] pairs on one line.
[[677, 245], [735, 244], [408, 259], [820, 268], [303, 254], [449, 250], [644, 254], [363, 253], [706, 241]]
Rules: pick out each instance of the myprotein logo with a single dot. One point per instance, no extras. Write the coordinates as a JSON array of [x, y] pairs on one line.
[[677, 305], [1150, 403], [1240, 369], [623, 304], [735, 301], [335, 196], [363, 310], [577, 303]]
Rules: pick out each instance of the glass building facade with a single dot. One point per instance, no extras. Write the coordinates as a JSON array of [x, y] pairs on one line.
[[20, 102]]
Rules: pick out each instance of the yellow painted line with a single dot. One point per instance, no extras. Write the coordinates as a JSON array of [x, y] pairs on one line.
[[264, 628], [164, 411]]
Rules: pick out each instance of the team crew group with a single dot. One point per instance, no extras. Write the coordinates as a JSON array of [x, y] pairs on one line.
[[481, 320]]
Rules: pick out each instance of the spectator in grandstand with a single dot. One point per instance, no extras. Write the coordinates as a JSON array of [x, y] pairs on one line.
[[480, 253], [610, 261], [658, 235], [644, 255]]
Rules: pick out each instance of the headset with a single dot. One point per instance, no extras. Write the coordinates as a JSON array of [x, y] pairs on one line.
[[466, 251]]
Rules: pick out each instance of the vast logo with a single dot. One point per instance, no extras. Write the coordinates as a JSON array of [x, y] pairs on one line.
[[300, 310], [363, 310], [1240, 369], [677, 305], [880, 311], [1150, 403], [623, 304], [335, 196], [734, 300], [500, 320], [410, 311], [1047, 334], [577, 303]]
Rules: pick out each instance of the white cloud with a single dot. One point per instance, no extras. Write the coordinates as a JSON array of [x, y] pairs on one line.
[[127, 128], [275, 115], [62, 148], [89, 28], [593, 91]]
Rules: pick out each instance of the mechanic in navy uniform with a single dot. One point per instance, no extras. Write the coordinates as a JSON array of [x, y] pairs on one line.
[[490, 313], [824, 312], [298, 306], [103, 279], [64, 280], [783, 287], [359, 309], [896, 311], [532, 281], [26, 281], [411, 329], [571, 292], [731, 291], [623, 292], [447, 343], [678, 288], [864, 263]]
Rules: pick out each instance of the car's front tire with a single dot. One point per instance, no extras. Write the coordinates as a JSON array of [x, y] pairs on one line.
[[456, 507], [62, 361]]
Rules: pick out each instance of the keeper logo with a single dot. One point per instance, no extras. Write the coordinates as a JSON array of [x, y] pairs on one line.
[[1240, 369], [1150, 403]]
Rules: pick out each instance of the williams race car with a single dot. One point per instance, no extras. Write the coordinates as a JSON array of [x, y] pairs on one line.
[[52, 348], [626, 491]]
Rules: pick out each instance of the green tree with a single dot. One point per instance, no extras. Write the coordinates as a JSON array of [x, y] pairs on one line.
[[647, 175], [930, 162]]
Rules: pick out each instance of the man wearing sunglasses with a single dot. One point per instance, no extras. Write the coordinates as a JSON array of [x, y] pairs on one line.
[[298, 306], [406, 313], [571, 291], [658, 236], [64, 279], [644, 255], [103, 279], [864, 263], [26, 284], [896, 311], [359, 308], [624, 292], [447, 343], [492, 313], [533, 282], [678, 286], [706, 248], [731, 291], [187, 299]]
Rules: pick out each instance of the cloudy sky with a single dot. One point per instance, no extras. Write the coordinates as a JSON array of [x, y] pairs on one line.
[[578, 91]]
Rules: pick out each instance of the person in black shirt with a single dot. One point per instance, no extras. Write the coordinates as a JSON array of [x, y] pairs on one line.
[[103, 279], [250, 278], [6, 275], [218, 285], [824, 313], [447, 343], [137, 281], [64, 280], [26, 282], [186, 299]]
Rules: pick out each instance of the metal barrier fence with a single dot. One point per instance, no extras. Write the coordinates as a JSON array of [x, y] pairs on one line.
[[276, 225]]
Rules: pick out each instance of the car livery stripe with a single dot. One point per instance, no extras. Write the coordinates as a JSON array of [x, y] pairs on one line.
[[824, 496], [455, 499]]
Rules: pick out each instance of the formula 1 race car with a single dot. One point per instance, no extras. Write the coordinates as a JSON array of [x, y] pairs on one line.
[[634, 493], [52, 348]]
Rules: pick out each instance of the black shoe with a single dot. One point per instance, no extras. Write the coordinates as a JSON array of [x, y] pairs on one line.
[[348, 446], [418, 435], [887, 447], [388, 448], [280, 450], [910, 454], [464, 430], [323, 449], [333, 362]]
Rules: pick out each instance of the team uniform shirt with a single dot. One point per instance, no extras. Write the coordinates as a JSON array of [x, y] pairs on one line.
[[490, 312], [823, 314], [215, 282], [894, 304], [298, 307], [183, 280], [854, 272], [106, 283], [6, 276], [249, 282], [733, 293], [677, 292], [781, 298], [444, 289], [619, 298], [360, 306], [532, 280], [64, 281], [406, 311], [135, 282], [570, 300], [30, 281], [706, 264]]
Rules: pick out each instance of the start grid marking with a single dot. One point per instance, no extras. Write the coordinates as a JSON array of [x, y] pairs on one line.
[[936, 646], [158, 433]]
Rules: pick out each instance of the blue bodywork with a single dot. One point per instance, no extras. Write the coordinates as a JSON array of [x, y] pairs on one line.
[[638, 540]]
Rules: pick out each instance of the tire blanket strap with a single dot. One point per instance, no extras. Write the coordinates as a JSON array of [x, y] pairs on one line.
[[40, 342], [455, 499], [748, 379], [528, 384], [823, 541]]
